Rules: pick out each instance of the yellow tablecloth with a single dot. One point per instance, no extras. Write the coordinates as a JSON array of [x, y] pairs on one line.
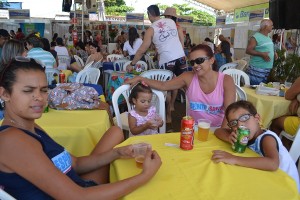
[[191, 175], [269, 107], [76, 130]]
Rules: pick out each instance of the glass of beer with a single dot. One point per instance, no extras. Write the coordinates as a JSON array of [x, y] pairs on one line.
[[203, 129], [140, 150]]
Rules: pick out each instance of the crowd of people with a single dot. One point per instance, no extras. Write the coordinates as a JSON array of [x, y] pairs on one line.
[[211, 95]]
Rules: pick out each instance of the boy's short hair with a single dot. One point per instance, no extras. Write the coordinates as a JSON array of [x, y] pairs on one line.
[[241, 104]]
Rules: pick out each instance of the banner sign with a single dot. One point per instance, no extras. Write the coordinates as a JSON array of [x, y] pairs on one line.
[[135, 17], [256, 15], [19, 14], [79, 15], [242, 14], [185, 19], [220, 20]]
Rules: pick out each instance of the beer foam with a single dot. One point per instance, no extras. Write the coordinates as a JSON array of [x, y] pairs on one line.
[[204, 125]]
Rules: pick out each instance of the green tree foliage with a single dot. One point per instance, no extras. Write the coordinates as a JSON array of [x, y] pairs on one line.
[[199, 17], [116, 7]]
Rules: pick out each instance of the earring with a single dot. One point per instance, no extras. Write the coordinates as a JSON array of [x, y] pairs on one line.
[[2, 104]]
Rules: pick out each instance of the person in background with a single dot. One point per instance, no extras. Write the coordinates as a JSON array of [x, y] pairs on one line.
[[231, 47], [170, 13], [163, 33], [62, 54], [261, 49], [143, 35], [4, 36], [46, 47], [11, 49], [209, 43], [98, 39], [264, 142], [96, 55], [36, 167], [88, 36], [55, 36], [143, 119], [132, 44], [35, 50], [87, 48], [68, 38], [188, 41], [277, 43], [289, 123], [208, 92], [20, 35], [225, 48], [12, 34], [121, 39], [81, 52]]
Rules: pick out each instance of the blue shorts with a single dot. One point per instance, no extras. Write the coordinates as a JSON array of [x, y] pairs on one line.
[[177, 66], [257, 75]]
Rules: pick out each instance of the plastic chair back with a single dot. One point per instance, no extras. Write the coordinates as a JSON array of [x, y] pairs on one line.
[[142, 64], [150, 62], [90, 75], [227, 66], [237, 76], [125, 91], [89, 65], [240, 93], [241, 64], [114, 57], [63, 62], [120, 63], [294, 151], [49, 74], [97, 65], [158, 74], [79, 61]]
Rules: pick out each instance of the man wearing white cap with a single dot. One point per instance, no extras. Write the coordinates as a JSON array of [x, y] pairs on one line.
[[163, 33]]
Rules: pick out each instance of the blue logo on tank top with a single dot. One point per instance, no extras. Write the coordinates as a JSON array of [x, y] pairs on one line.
[[63, 161], [197, 106]]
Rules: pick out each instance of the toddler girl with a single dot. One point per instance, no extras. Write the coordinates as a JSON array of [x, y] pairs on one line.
[[143, 119]]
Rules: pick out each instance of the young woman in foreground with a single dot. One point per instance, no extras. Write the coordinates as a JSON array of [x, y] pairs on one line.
[[33, 166]]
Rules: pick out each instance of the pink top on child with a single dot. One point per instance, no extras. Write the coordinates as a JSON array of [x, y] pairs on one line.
[[140, 120], [208, 106]]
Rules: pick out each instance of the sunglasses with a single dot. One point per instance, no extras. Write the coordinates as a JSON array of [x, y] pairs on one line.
[[16, 59], [242, 118], [198, 61]]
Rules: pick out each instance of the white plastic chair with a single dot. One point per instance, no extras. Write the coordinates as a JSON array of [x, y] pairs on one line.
[[88, 65], [158, 74], [120, 63], [114, 57], [63, 62], [90, 75], [79, 61], [227, 66], [121, 119], [97, 65], [236, 74], [5, 196], [49, 74], [240, 93], [294, 151], [241, 64]]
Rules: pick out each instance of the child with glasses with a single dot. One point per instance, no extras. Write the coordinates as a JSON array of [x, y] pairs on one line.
[[264, 142]]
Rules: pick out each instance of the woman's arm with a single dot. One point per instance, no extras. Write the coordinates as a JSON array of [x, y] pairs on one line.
[[173, 84], [229, 95], [270, 161], [293, 91], [42, 173]]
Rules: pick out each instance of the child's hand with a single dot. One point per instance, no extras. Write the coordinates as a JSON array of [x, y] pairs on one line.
[[152, 124], [223, 156], [232, 137]]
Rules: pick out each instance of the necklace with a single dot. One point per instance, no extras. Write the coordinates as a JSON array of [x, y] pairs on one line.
[[21, 125]]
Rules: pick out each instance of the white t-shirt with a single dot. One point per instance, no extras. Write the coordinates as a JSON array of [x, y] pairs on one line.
[[63, 57], [136, 45], [166, 40], [68, 37]]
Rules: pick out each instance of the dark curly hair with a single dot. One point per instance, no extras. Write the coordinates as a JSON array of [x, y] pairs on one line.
[[140, 87]]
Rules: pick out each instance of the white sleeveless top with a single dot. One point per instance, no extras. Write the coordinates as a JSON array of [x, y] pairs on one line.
[[286, 162], [166, 40]]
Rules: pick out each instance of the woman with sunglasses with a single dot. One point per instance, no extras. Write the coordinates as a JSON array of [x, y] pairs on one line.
[[208, 92], [264, 142], [33, 166]]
